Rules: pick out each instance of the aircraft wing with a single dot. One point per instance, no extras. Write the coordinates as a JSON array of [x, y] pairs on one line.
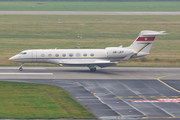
[[100, 63]]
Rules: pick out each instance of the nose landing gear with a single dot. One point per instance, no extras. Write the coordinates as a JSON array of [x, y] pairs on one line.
[[20, 68]]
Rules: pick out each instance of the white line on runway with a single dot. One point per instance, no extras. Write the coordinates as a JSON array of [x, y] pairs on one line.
[[15, 81], [14, 68], [26, 73]]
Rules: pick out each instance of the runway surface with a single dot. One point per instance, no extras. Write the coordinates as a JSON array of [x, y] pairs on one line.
[[112, 93], [87, 13], [129, 73]]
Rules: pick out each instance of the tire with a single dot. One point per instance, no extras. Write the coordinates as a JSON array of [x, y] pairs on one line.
[[93, 69], [20, 69]]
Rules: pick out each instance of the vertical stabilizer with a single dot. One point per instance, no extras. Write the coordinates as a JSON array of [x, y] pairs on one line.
[[144, 41]]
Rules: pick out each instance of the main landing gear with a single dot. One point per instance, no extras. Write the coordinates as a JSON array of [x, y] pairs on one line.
[[92, 68], [20, 68]]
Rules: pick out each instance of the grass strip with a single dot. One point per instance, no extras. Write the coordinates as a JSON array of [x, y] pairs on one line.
[[30, 101]]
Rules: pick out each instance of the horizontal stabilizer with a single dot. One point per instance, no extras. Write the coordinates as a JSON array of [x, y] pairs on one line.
[[151, 33]]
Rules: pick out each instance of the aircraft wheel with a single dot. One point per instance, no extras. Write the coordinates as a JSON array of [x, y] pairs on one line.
[[20, 69], [93, 69]]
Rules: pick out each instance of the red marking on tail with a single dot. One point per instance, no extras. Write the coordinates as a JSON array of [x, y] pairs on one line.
[[145, 39]]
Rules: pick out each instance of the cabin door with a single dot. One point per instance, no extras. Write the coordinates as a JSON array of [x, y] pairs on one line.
[[34, 56]]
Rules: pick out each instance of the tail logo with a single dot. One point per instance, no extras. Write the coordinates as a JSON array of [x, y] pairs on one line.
[[145, 39], [145, 44]]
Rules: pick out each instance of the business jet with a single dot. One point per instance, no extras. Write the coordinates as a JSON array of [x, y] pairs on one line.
[[91, 58]]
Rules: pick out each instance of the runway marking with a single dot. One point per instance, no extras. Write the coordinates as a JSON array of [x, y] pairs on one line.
[[15, 80], [167, 84], [101, 100], [104, 102], [160, 117], [110, 117], [128, 102], [26, 73], [148, 97], [151, 102], [7, 68], [158, 100]]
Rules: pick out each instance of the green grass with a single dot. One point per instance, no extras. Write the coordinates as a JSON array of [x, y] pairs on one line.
[[21, 32], [30, 101], [89, 6]]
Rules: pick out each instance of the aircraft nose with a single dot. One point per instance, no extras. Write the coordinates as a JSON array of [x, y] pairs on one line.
[[12, 58]]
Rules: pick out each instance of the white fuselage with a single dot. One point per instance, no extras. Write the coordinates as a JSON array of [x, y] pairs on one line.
[[74, 56]]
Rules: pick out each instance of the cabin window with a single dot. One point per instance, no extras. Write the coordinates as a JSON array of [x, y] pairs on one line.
[[49, 55], [92, 54], [64, 55], [70, 54], [57, 55], [42, 55], [84, 54], [78, 55]]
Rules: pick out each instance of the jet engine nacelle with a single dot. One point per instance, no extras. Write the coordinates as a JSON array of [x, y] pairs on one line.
[[118, 52]]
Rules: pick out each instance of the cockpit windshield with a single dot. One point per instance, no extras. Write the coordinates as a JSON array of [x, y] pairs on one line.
[[22, 53]]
